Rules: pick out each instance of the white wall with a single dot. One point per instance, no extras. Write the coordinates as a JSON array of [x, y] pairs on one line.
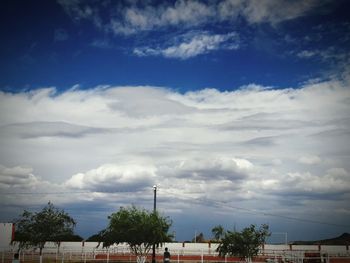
[[5, 235], [175, 248]]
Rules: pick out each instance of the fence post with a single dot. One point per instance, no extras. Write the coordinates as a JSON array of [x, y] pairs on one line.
[[84, 257], [63, 257], [107, 256], [202, 256], [178, 256], [226, 258]]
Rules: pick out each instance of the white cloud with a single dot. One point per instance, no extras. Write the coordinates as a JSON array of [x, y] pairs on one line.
[[249, 145], [330, 55], [230, 9], [310, 159], [187, 12], [182, 13], [20, 187], [198, 44], [164, 20], [114, 178], [335, 181], [216, 168], [131, 18], [276, 11], [16, 176], [306, 54], [271, 11]]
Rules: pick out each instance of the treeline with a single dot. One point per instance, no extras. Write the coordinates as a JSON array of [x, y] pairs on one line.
[[142, 230]]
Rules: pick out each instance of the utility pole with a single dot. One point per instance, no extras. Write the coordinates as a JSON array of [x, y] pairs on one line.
[[154, 210]]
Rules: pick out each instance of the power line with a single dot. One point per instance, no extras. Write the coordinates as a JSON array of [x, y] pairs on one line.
[[253, 211], [201, 201]]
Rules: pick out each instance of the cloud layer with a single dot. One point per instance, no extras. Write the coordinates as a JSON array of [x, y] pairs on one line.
[[256, 146]]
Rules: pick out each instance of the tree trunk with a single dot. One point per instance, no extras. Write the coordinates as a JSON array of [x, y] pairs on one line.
[[41, 255], [140, 259]]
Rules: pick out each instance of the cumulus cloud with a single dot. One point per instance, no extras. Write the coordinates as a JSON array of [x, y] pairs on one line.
[[255, 145], [114, 178]]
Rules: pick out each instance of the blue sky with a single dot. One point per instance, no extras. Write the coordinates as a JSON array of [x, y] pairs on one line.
[[238, 110], [66, 43]]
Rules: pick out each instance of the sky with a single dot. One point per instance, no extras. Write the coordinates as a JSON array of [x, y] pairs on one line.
[[237, 110]]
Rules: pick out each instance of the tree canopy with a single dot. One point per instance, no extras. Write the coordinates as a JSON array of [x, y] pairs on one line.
[[244, 244], [218, 232], [95, 238], [71, 237], [137, 227], [50, 224]]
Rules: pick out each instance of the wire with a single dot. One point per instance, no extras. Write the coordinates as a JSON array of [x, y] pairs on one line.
[[253, 211], [201, 201]]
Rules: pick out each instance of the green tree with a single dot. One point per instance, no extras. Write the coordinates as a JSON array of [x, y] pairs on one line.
[[50, 224], [71, 238], [137, 227], [244, 244], [218, 232], [95, 238]]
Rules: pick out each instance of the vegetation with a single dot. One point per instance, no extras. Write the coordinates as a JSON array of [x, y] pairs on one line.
[[94, 238], [244, 244], [139, 228], [71, 237], [342, 240], [50, 224], [218, 232]]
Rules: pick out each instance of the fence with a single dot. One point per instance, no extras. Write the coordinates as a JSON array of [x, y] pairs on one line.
[[89, 252]]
